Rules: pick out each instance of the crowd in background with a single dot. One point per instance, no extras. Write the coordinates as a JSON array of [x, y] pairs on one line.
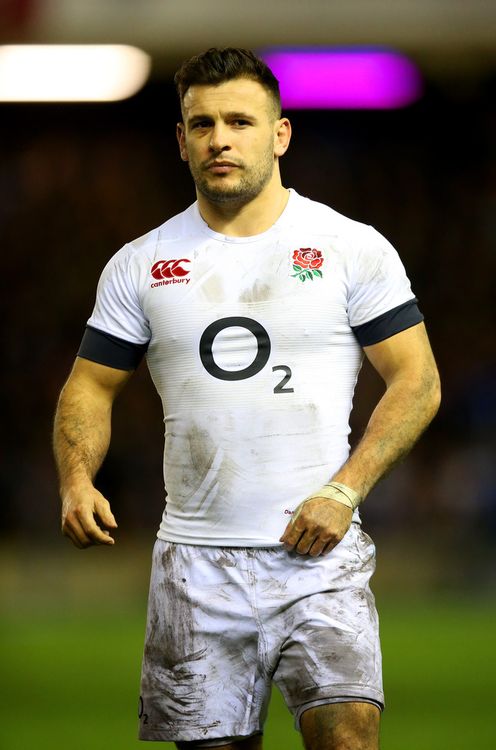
[[77, 183]]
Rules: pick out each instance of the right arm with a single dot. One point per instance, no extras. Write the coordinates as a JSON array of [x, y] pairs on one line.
[[81, 440]]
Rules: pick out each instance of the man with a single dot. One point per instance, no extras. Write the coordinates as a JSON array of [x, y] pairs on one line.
[[254, 307]]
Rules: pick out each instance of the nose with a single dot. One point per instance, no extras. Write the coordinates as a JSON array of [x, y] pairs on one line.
[[219, 138]]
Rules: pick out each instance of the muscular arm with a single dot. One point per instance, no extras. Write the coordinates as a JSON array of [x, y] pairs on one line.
[[412, 397], [410, 402], [81, 440]]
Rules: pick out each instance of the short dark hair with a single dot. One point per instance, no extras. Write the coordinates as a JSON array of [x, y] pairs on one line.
[[218, 65]]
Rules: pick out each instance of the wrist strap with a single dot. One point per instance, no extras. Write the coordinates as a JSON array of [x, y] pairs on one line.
[[339, 492]]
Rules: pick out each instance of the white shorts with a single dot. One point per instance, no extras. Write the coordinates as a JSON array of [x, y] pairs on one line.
[[223, 623]]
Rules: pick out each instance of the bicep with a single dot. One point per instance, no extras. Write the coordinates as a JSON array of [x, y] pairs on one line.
[[93, 378], [406, 354]]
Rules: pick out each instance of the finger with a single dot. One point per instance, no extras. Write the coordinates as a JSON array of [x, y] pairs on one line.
[[287, 532], [93, 532], [75, 531], [104, 513], [292, 536], [329, 546], [69, 534], [305, 543], [294, 524], [318, 547]]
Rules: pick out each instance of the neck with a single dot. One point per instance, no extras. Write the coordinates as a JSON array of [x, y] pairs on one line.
[[245, 219]]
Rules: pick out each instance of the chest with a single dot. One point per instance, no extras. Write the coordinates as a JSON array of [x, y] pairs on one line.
[[285, 276]]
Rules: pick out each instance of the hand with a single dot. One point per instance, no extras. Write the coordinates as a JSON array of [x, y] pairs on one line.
[[79, 511], [317, 526]]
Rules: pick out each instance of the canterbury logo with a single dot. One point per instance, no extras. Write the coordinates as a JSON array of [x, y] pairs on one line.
[[169, 269], [170, 272]]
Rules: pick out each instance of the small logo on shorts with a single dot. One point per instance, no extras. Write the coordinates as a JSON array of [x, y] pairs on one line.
[[307, 263], [141, 711], [170, 272]]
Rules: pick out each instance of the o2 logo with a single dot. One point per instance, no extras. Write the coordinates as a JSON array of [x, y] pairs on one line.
[[261, 357]]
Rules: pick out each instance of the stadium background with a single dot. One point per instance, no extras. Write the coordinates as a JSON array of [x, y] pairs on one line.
[[76, 182]]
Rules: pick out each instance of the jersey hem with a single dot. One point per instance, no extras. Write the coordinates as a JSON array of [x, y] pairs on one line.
[[238, 542], [241, 543]]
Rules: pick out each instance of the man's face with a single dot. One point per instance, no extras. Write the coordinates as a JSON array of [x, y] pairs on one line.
[[229, 139]]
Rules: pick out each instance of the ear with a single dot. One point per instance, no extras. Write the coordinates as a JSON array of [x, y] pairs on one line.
[[282, 136], [182, 141]]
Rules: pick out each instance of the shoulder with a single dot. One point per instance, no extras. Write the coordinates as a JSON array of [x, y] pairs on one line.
[[327, 221], [135, 256], [178, 227], [369, 260]]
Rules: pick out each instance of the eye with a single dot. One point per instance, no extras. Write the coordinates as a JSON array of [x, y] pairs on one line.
[[200, 124]]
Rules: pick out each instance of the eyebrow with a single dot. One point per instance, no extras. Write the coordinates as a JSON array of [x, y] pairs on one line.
[[228, 116]]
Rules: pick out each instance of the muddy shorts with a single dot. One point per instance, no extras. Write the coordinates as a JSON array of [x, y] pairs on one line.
[[224, 623]]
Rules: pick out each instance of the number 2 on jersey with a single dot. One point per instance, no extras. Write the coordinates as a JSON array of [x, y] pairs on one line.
[[287, 376]]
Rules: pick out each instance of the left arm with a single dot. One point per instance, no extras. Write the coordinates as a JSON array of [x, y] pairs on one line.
[[411, 400]]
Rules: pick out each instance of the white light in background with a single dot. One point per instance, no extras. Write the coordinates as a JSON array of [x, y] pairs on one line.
[[71, 73]]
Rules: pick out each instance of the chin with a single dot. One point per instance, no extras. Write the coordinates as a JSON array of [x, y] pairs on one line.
[[223, 194]]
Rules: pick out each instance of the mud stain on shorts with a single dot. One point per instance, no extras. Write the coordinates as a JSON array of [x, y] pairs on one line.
[[171, 653]]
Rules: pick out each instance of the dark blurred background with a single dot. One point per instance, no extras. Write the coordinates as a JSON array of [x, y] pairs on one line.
[[78, 181]]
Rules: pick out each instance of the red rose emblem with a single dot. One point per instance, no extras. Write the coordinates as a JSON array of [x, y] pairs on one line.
[[307, 257], [307, 262]]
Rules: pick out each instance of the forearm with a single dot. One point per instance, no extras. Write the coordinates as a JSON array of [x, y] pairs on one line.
[[81, 434], [81, 440], [403, 413]]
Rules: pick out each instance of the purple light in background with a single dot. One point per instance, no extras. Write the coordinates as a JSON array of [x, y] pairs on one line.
[[344, 79]]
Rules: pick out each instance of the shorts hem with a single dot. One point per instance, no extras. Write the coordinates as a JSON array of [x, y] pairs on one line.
[[166, 735], [373, 697]]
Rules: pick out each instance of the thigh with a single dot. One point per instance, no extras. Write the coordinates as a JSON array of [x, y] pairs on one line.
[[331, 649], [339, 725], [201, 677]]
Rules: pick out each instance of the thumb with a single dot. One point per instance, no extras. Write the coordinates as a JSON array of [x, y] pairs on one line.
[[103, 509]]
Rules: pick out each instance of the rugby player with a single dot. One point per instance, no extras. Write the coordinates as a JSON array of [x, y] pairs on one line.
[[255, 307]]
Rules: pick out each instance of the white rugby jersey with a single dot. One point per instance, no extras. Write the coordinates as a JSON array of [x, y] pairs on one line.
[[253, 346]]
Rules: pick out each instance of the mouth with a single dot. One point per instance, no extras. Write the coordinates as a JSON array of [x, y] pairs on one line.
[[221, 167]]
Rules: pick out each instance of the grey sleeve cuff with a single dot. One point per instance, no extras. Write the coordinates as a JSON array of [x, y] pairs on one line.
[[389, 323], [109, 350]]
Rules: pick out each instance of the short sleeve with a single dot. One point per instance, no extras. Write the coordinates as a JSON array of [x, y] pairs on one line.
[[378, 280], [118, 310]]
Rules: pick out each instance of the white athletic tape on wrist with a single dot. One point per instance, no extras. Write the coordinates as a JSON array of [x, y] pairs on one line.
[[339, 492]]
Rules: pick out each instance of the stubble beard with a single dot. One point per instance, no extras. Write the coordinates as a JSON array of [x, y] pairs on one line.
[[250, 183]]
